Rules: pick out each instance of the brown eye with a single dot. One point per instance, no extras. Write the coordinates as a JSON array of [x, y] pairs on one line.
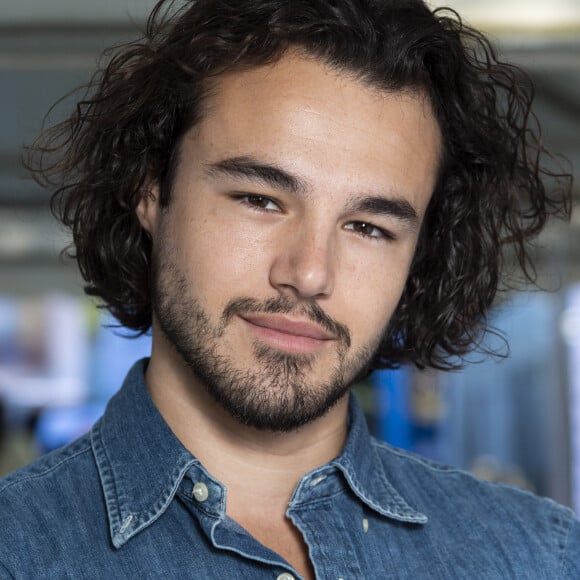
[[367, 230], [259, 202], [363, 228]]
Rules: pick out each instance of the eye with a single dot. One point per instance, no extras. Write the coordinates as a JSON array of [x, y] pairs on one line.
[[368, 230], [260, 202]]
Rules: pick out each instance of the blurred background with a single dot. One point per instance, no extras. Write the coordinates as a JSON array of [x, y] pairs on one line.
[[515, 420]]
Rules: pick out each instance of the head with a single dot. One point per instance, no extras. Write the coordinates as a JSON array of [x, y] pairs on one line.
[[125, 142], [296, 205]]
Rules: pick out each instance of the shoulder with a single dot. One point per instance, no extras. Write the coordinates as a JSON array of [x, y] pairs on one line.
[[59, 491], [68, 459], [508, 517], [56, 485], [403, 468]]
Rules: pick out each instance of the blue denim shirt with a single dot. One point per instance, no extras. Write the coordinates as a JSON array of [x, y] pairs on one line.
[[129, 501]]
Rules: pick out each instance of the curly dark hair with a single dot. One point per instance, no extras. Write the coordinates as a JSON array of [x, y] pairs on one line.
[[493, 192]]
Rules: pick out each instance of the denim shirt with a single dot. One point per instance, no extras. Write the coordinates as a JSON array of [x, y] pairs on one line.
[[129, 501]]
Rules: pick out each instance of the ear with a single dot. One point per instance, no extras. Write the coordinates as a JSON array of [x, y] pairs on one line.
[[148, 209]]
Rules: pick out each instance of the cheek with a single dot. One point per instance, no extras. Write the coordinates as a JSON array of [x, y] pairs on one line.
[[220, 257], [372, 292]]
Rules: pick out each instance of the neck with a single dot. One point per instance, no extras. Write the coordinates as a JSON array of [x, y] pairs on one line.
[[249, 462]]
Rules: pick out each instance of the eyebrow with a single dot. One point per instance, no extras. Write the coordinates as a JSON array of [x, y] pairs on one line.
[[394, 207], [253, 169]]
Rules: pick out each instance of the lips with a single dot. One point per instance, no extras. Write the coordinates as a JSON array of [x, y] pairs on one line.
[[287, 326], [281, 333]]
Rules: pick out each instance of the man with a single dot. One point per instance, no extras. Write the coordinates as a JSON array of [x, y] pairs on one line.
[[291, 194]]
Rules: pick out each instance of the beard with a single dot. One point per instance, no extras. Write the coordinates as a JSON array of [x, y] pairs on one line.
[[272, 391]]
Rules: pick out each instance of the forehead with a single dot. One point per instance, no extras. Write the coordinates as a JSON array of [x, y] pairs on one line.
[[323, 125]]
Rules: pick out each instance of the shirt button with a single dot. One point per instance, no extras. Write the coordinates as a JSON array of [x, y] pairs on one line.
[[200, 492], [285, 576]]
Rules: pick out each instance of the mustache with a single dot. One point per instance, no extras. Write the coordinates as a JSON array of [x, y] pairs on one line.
[[283, 305]]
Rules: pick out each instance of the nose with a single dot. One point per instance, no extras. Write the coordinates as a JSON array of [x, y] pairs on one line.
[[304, 263]]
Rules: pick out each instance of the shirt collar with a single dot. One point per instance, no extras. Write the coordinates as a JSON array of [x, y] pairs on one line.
[[141, 463], [365, 474]]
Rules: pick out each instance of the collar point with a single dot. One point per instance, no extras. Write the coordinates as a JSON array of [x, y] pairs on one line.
[[119, 540], [120, 534]]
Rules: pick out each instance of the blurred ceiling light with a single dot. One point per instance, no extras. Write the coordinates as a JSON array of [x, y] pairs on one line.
[[518, 15]]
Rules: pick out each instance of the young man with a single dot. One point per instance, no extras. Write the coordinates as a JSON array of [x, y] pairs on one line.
[[290, 194]]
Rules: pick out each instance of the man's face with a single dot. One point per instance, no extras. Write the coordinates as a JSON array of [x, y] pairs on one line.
[[294, 216]]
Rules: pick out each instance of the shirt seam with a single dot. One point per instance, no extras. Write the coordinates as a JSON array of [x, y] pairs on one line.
[[563, 565], [47, 471], [317, 500], [420, 460], [104, 468]]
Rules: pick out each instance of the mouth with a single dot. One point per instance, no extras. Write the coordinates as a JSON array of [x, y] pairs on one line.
[[282, 333]]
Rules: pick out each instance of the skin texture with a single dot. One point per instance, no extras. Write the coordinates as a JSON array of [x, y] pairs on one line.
[[318, 249]]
